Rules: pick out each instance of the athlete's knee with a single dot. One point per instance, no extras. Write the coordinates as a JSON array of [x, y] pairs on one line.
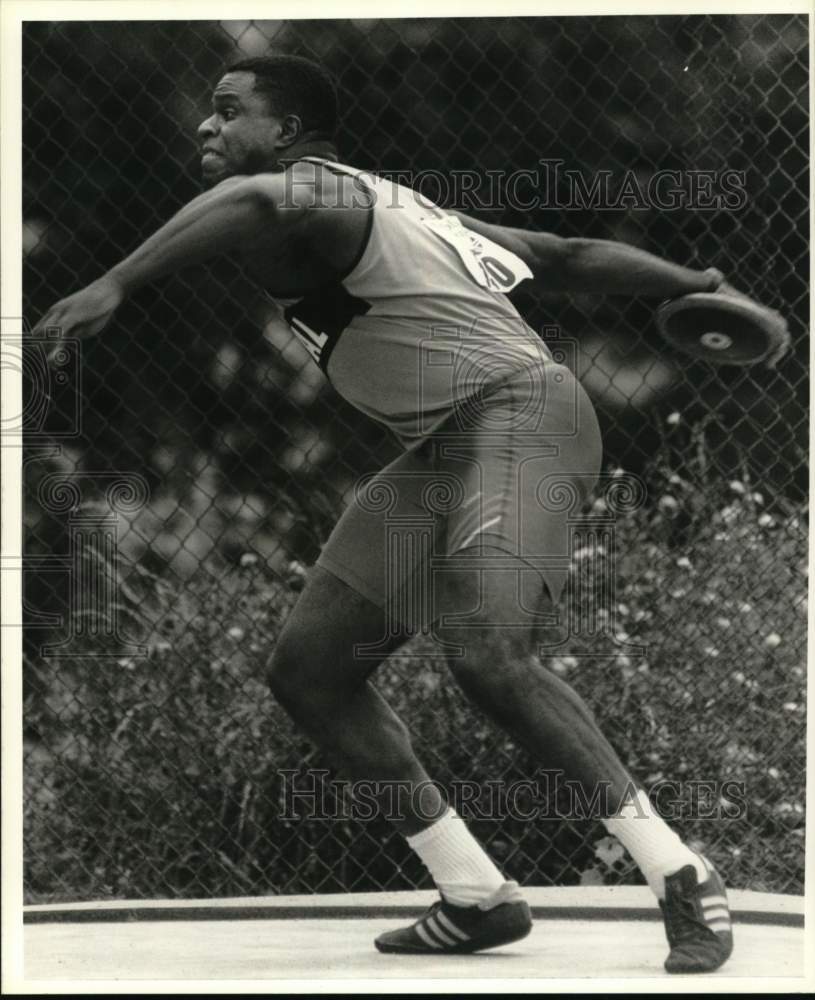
[[394, 753], [480, 645], [491, 666], [292, 674], [310, 680]]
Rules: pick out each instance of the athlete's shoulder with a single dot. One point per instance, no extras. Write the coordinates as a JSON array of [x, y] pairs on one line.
[[323, 214], [323, 184]]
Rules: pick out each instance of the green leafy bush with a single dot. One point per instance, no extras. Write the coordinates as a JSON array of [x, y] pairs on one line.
[[158, 776]]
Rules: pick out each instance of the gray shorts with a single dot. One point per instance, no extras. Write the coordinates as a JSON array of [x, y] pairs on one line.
[[498, 486]]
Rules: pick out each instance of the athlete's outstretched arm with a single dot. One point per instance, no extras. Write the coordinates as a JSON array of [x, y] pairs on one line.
[[232, 215], [602, 266]]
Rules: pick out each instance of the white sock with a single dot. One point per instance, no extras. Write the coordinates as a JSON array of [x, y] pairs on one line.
[[460, 868], [653, 845]]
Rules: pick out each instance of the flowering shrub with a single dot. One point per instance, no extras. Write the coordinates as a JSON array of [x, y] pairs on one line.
[[158, 775]]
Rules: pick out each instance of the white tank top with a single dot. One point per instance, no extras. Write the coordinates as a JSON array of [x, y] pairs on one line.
[[421, 322]]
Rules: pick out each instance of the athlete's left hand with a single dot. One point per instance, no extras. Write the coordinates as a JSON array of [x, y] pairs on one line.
[[86, 312], [725, 288], [783, 334]]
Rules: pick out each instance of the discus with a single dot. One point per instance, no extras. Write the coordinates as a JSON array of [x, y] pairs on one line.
[[723, 329]]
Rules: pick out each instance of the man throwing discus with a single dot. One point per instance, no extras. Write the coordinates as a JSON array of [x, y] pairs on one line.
[[404, 307]]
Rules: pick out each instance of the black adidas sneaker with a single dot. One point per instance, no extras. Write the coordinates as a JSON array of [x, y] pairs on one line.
[[446, 929], [697, 921]]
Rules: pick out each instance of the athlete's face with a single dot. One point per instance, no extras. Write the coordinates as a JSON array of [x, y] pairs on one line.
[[241, 136]]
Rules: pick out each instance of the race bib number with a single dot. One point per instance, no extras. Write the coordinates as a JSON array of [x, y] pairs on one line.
[[488, 264]]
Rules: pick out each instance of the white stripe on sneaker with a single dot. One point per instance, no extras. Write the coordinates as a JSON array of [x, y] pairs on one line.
[[448, 924], [431, 925], [426, 937], [716, 912], [709, 901], [719, 925]]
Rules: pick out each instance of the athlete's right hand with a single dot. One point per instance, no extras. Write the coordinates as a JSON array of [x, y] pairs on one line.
[[85, 312]]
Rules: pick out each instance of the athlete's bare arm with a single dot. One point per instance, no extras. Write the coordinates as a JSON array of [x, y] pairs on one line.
[[258, 216], [602, 266]]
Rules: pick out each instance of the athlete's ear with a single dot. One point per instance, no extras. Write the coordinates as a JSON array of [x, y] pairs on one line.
[[291, 128]]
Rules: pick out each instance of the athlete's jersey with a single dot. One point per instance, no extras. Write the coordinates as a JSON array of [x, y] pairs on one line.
[[421, 322]]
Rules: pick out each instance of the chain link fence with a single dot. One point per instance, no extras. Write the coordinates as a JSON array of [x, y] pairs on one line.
[[193, 460]]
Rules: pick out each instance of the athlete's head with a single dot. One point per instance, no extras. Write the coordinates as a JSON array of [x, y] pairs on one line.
[[262, 108]]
